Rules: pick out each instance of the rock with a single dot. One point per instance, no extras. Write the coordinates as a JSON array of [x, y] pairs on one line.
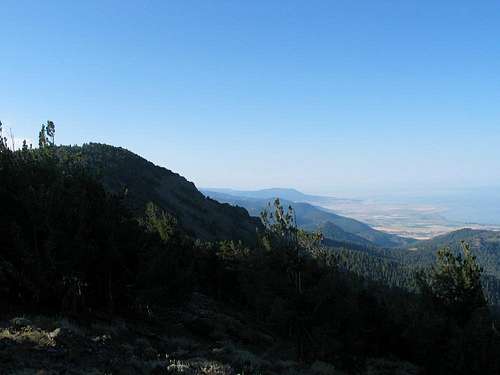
[[177, 367], [102, 339], [61, 335], [55, 333]]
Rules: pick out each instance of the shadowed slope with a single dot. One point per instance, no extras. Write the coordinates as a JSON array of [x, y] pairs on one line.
[[140, 182]]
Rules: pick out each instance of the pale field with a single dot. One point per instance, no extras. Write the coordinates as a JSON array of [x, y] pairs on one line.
[[415, 221]]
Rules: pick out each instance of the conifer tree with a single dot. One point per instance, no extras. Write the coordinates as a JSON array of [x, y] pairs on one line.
[[3, 141], [51, 132], [157, 221], [281, 226], [42, 137], [454, 283]]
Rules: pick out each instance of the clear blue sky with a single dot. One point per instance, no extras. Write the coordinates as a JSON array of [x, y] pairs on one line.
[[323, 96]]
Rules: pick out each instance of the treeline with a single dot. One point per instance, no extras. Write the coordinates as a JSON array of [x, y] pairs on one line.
[[69, 246]]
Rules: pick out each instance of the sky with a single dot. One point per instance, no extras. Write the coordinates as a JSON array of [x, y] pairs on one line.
[[322, 96]]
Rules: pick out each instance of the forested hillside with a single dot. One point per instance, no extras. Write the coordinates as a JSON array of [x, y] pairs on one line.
[[381, 256], [139, 181], [485, 245], [75, 243]]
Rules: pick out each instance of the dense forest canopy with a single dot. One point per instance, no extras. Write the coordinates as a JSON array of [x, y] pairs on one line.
[[96, 229]]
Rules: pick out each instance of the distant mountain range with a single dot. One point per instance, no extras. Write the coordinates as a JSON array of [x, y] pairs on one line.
[[282, 193], [310, 217]]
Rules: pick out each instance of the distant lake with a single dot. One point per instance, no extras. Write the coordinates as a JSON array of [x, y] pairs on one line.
[[480, 205]]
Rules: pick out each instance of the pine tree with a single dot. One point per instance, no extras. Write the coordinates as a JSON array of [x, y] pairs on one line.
[[51, 132], [3, 141], [42, 138], [454, 283], [285, 236], [160, 222]]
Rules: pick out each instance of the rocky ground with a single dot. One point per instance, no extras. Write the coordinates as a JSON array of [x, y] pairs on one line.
[[201, 340]]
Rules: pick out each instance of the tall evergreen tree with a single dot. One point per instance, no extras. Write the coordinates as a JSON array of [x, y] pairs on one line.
[[42, 137], [454, 283], [51, 132], [3, 141], [284, 236]]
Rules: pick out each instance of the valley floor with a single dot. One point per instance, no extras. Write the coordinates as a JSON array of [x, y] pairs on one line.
[[421, 222]]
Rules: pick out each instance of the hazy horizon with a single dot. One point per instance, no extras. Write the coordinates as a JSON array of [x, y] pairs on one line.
[[324, 97], [458, 206]]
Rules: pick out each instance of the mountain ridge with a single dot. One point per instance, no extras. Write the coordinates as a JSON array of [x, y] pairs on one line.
[[140, 181]]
